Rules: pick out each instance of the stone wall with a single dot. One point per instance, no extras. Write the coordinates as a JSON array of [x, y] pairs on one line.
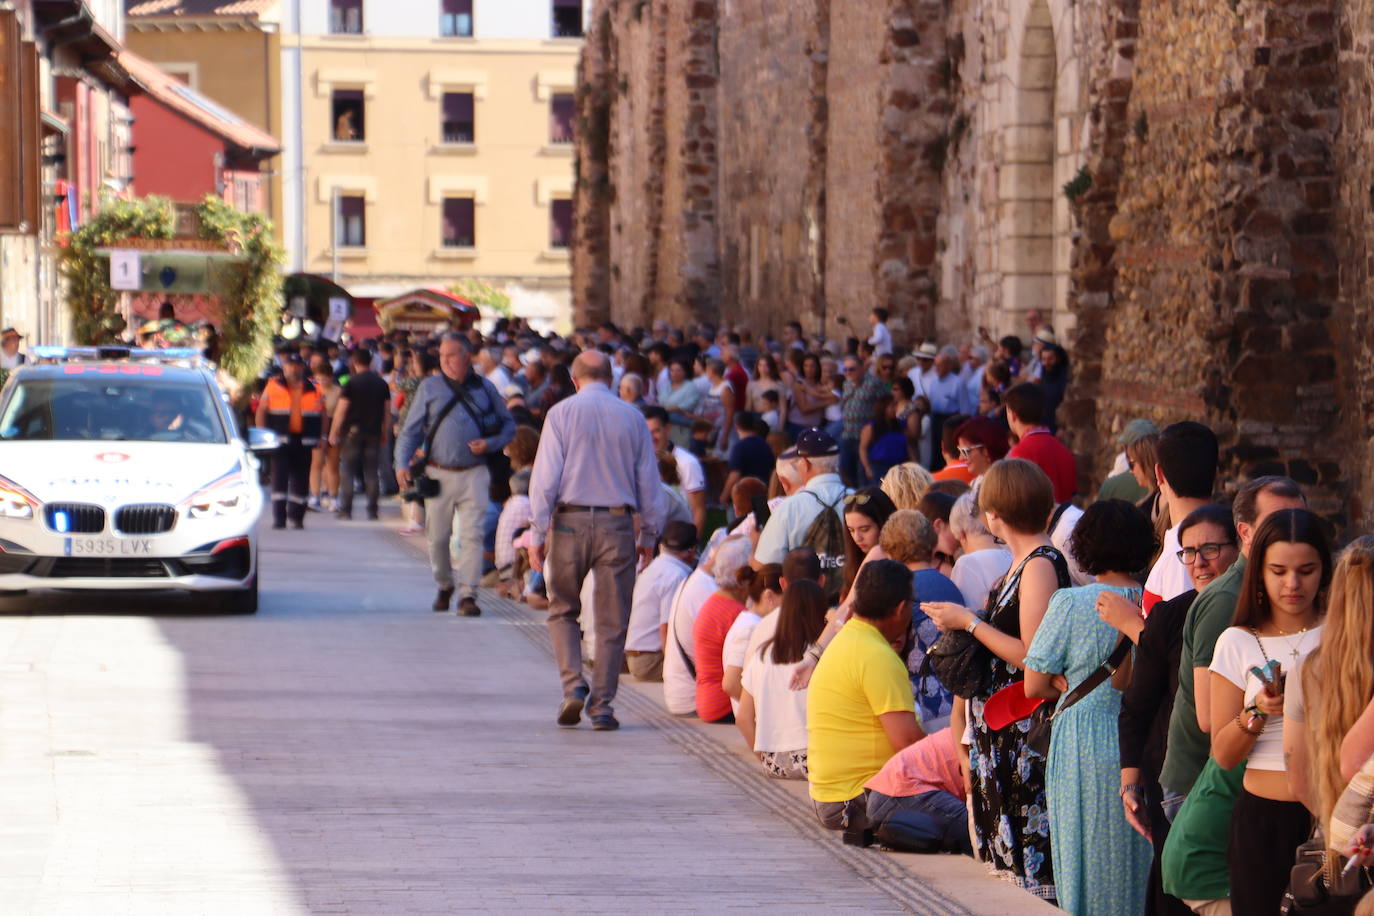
[[1354, 192], [1182, 189]]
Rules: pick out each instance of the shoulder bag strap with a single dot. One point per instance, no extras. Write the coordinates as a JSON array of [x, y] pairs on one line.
[[434, 430], [686, 658], [1058, 514], [460, 395], [1094, 680]]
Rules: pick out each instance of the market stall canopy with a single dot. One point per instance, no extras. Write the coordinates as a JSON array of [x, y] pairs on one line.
[[425, 310]]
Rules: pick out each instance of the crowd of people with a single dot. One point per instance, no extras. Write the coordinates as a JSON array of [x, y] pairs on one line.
[[884, 570]]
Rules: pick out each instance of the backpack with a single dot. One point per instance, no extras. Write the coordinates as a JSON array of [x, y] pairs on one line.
[[825, 536]]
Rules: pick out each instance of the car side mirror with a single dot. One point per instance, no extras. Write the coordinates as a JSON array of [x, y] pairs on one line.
[[263, 440]]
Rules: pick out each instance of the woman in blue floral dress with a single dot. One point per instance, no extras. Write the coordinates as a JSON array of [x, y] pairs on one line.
[[1089, 836], [1010, 817]]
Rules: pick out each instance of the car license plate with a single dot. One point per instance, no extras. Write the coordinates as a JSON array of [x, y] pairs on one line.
[[109, 547]]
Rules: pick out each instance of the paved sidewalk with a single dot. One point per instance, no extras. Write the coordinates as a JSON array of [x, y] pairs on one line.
[[347, 751]]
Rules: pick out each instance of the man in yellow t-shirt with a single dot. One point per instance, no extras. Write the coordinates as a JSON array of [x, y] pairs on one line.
[[859, 708]]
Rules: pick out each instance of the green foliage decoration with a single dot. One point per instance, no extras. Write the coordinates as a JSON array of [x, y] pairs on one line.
[[248, 289], [482, 294]]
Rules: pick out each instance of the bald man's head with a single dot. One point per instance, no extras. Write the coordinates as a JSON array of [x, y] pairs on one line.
[[592, 366]]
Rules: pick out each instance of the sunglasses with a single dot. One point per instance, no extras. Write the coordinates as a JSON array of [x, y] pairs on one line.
[[857, 499], [967, 450]]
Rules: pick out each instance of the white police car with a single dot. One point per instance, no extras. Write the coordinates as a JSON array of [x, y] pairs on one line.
[[123, 469]]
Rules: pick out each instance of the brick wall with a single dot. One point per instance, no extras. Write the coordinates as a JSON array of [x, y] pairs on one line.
[[780, 159]]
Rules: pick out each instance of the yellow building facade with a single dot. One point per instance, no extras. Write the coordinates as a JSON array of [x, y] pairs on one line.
[[422, 164]]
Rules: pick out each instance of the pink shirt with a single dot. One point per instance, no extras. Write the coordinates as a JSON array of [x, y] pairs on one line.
[[929, 765]]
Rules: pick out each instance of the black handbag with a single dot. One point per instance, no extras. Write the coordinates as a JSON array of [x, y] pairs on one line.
[[1317, 887], [961, 663], [1042, 720]]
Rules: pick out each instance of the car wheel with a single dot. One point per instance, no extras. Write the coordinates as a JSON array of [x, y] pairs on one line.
[[242, 600]]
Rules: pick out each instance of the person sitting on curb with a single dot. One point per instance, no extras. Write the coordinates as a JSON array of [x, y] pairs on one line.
[[653, 600], [859, 708], [916, 802]]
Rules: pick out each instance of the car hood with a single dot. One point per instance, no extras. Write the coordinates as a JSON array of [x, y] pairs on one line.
[[116, 473]]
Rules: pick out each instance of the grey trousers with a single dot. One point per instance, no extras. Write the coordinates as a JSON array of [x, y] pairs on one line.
[[578, 543], [464, 494]]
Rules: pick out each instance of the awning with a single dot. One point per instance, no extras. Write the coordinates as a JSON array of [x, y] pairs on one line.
[[425, 310]]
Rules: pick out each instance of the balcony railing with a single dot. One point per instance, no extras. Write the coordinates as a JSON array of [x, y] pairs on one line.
[[458, 132]]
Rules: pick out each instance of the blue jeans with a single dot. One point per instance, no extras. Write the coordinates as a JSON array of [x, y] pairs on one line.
[[945, 810], [1171, 803], [851, 472]]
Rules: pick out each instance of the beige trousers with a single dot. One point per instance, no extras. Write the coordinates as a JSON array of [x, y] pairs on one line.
[[463, 494], [580, 542]]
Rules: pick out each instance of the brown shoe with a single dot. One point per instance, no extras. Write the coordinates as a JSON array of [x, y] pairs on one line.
[[442, 599], [468, 608]]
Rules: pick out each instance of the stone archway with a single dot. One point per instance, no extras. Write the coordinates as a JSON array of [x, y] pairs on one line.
[[1027, 183]]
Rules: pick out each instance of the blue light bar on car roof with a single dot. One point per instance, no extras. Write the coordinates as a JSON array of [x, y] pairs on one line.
[[66, 354]]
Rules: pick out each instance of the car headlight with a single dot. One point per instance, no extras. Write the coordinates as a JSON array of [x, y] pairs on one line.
[[15, 501], [219, 501]]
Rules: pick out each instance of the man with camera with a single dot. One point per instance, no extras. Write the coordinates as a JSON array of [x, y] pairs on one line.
[[457, 422]]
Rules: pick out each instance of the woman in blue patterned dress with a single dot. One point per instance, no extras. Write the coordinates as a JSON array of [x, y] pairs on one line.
[[1010, 823], [1089, 836]]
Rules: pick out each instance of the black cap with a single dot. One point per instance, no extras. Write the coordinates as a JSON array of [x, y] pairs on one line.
[[292, 359], [813, 443], [679, 536]]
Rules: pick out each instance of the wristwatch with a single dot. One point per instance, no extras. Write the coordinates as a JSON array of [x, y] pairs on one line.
[[972, 625]]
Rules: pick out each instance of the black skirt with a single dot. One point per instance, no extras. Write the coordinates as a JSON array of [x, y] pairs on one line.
[[1265, 835]]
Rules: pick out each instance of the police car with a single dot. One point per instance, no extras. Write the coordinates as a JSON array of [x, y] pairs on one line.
[[122, 469]]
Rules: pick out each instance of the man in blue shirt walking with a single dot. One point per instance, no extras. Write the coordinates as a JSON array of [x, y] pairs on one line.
[[475, 424], [594, 472]]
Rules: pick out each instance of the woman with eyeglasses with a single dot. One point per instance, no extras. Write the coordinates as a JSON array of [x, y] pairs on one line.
[[982, 442], [1209, 547]]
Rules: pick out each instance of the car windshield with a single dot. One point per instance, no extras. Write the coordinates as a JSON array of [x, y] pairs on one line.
[[86, 407]]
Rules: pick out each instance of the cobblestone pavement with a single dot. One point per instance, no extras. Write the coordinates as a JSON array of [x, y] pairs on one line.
[[347, 751]]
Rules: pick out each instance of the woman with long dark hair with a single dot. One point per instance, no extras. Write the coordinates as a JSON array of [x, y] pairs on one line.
[[810, 396], [865, 513], [772, 715], [1278, 623]]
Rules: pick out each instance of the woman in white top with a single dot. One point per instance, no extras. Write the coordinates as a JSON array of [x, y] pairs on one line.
[[1278, 619], [765, 595], [772, 716], [982, 560]]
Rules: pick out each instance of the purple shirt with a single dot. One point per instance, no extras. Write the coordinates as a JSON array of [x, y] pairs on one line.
[[595, 450]]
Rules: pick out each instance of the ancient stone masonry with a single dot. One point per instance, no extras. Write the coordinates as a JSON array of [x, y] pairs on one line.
[[1182, 188]]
